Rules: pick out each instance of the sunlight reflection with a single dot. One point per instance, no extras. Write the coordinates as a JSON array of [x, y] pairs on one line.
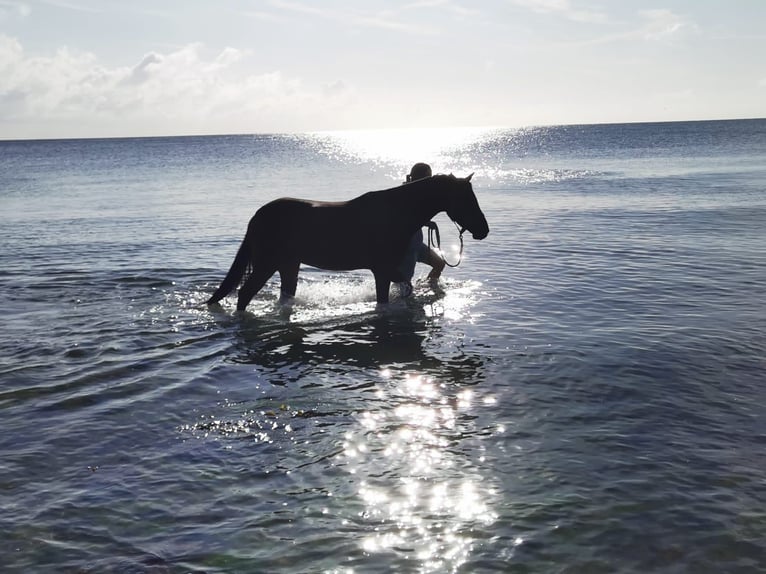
[[443, 148], [424, 496], [458, 298], [404, 144], [447, 150]]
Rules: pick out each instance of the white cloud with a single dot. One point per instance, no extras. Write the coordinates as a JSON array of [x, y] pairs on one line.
[[180, 90], [10, 51]]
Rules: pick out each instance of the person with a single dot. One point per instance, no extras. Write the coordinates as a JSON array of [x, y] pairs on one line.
[[417, 251]]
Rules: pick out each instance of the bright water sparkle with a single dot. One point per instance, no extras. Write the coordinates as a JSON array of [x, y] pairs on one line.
[[584, 394]]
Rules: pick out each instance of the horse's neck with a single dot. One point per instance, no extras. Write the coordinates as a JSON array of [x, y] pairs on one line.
[[429, 200]]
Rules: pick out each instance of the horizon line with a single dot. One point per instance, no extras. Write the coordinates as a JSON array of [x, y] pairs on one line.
[[351, 130]]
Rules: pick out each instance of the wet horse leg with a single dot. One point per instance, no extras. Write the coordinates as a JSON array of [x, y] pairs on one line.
[[288, 275], [257, 279], [382, 287]]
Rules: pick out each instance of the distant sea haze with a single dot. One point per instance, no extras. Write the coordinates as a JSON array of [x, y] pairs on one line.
[[584, 393]]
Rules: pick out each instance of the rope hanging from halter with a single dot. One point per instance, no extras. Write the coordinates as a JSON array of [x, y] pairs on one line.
[[433, 232]]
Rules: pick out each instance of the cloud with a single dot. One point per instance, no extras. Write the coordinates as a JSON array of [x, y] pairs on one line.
[[143, 70], [562, 8], [180, 90]]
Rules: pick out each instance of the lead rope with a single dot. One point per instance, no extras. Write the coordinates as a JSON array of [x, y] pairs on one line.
[[433, 232]]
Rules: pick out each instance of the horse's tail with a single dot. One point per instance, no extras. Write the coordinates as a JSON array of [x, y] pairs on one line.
[[237, 270]]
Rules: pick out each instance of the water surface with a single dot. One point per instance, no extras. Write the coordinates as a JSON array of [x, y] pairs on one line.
[[583, 394]]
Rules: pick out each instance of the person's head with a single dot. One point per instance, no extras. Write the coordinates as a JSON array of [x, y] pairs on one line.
[[419, 171]]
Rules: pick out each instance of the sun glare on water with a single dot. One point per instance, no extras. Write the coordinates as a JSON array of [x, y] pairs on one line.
[[421, 498], [441, 147]]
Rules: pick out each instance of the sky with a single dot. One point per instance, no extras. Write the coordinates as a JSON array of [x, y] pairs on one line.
[[104, 68]]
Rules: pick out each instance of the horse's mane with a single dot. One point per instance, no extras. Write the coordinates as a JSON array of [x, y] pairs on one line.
[[425, 181], [405, 189]]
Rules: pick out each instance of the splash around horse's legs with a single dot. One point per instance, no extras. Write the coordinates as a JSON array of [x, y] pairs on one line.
[[286, 300], [253, 284], [435, 285]]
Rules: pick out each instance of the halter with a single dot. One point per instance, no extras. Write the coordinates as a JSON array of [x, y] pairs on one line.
[[433, 231]]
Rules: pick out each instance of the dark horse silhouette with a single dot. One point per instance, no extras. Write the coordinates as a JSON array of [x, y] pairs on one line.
[[371, 231]]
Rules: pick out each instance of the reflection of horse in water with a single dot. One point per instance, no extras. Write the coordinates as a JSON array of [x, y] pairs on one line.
[[371, 231], [356, 345]]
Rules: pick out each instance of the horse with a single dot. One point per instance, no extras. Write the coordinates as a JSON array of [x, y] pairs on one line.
[[371, 231]]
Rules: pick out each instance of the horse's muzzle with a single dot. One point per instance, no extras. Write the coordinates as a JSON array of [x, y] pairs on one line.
[[480, 234]]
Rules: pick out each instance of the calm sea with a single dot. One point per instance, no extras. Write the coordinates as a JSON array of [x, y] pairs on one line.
[[586, 395]]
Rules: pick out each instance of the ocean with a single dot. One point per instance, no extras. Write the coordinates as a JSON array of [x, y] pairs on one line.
[[583, 394]]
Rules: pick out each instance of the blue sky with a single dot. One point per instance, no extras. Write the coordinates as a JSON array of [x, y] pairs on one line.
[[83, 68]]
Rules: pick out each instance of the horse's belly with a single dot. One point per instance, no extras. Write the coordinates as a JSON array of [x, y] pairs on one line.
[[335, 261], [328, 236]]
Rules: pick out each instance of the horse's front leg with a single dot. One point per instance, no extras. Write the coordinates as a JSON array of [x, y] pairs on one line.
[[382, 286]]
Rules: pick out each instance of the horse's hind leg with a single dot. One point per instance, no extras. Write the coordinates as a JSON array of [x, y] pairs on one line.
[[382, 287], [257, 279], [288, 275]]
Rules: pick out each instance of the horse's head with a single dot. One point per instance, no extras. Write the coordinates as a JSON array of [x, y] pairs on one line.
[[464, 209]]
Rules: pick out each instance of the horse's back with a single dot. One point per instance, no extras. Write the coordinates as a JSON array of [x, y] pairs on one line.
[[318, 233]]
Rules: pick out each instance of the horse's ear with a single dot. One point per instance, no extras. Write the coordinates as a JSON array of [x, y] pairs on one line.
[[469, 177]]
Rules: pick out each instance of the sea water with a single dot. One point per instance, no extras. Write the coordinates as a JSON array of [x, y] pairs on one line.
[[584, 393]]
